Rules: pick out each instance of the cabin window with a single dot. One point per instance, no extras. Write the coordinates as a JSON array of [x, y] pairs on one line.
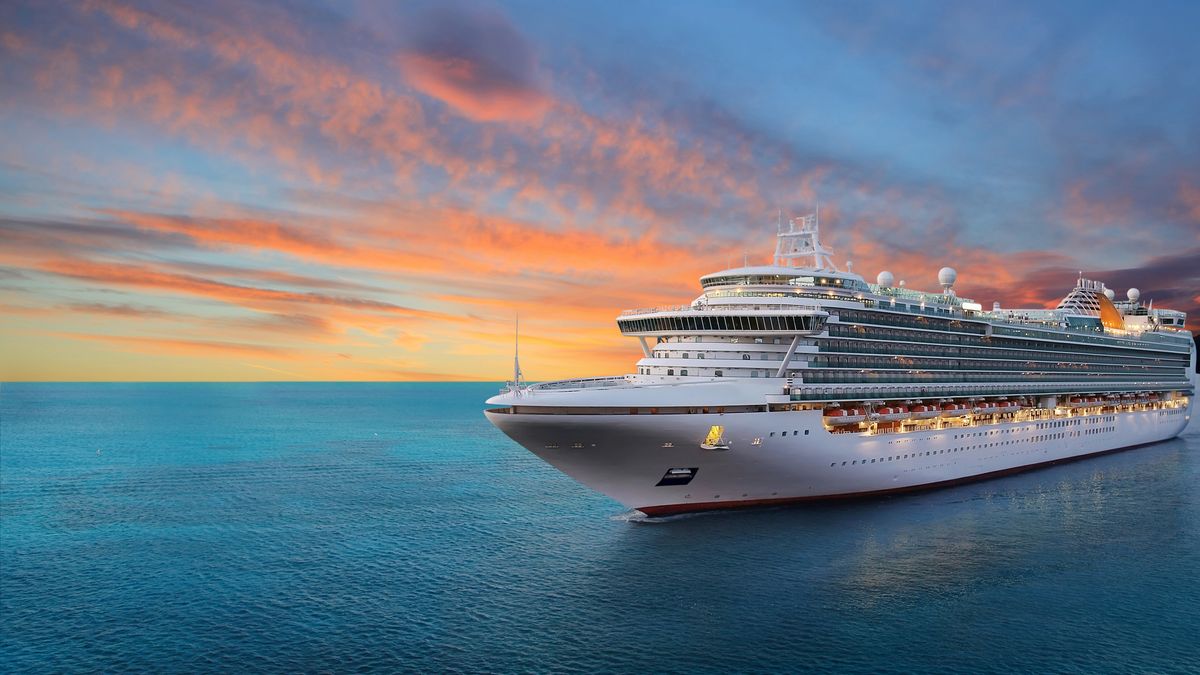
[[745, 357], [670, 371], [683, 372], [718, 373]]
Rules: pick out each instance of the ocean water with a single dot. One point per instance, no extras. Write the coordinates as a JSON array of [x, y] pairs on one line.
[[337, 527]]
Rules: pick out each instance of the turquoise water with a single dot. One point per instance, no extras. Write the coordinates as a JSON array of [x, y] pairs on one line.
[[309, 527]]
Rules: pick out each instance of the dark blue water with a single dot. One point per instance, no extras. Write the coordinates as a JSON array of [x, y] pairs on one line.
[[377, 526]]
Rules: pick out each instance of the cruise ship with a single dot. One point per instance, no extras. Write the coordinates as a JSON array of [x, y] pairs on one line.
[[798, 381]]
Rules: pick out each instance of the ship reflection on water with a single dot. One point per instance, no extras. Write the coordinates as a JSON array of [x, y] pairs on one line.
[[1034, 560]]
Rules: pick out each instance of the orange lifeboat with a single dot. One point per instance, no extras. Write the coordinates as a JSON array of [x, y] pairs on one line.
[[923, 412], [836, 416], [1076, 402], [988, 407], [891, 413], [955, 409]]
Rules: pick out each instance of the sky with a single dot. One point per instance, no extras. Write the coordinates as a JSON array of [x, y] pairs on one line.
[[375, 190]]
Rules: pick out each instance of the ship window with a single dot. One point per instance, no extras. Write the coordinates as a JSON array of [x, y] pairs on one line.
[[745, 357], [683, 372], [806, 432], [685, 355], [718, 373], [670, 371]]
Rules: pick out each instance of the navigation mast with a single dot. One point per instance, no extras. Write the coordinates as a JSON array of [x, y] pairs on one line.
[[801, 239]]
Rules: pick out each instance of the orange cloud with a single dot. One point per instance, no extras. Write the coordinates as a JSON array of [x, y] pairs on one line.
[[183, 347], [459, 83], [153, 279]]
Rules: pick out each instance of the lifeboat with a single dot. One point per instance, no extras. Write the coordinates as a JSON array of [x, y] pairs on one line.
[[1153, 397], [955, 409], [988, 407], [891, 413], [836, 416], [1009, 406], [923, 412], [1076, 402], [1143, 398]]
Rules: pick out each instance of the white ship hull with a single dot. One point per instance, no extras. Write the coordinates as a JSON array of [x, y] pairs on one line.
[[627, 456], [784, 383]]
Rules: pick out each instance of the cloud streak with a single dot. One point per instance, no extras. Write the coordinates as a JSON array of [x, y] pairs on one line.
[[392, 183]]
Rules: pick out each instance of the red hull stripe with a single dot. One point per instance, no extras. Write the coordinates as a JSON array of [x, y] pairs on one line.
[[676, 509]]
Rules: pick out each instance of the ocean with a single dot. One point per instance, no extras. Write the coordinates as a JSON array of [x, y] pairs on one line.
[[360, 527]]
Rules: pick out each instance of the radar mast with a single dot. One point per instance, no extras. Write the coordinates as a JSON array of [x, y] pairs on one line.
[[801, 240]]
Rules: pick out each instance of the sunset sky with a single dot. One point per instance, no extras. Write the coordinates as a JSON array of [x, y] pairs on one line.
[[371, 191]]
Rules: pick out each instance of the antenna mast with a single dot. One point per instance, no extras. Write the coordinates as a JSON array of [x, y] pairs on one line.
[[802, 240], [517, 352]]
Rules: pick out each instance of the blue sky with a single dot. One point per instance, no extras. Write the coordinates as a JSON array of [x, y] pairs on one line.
[[372, 190]]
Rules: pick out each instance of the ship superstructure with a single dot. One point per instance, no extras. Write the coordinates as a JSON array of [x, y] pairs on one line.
[[797, 380]]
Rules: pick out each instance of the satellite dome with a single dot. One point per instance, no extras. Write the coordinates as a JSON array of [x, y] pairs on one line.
[[1133, 294], [1110, 293], [947, 276], [885, 279]]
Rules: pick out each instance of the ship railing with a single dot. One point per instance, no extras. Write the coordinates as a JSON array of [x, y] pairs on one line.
[[723, 308], [857, 393], [1073, 333], [580, 383]]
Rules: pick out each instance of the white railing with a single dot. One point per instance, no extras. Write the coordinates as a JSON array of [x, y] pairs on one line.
[[724, 308], [580, 383]]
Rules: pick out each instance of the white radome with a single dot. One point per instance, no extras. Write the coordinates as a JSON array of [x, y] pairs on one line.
[[1110, 293], [1133, 294], [885, 279], [947, 276]]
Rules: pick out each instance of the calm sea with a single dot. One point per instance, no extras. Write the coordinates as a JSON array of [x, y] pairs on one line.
[[333, 527]]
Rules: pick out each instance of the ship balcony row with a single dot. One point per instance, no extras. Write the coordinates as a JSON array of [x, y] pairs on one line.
[[697, 320], [803, 392]]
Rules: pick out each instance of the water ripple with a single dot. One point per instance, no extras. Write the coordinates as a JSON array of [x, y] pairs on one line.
[[389, 527]]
